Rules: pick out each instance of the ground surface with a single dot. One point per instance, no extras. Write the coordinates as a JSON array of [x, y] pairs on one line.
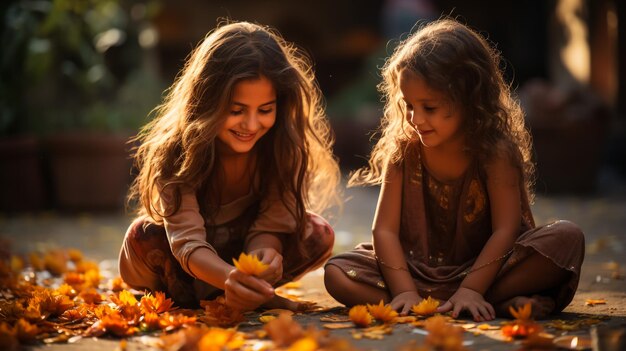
[[602, 217]]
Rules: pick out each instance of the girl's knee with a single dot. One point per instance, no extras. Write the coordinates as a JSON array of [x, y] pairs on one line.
[[334, 279], [570, 231], [319, 231]]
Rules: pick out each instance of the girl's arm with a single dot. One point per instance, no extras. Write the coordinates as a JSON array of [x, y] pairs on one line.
[[503, 181], [386, 242], [187, 238]]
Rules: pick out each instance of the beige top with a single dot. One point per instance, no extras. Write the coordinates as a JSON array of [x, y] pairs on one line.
[[186, 231]]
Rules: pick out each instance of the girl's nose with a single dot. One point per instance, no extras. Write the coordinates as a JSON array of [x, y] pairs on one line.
[[416, 118], [251, 121]]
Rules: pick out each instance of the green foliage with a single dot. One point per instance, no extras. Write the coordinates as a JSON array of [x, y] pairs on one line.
[[76, 64]]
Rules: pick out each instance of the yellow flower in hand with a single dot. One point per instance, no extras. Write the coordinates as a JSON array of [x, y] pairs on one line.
[[249, 264]]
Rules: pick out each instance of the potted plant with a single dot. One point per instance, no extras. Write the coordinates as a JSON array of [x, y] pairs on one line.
[[87, 89]]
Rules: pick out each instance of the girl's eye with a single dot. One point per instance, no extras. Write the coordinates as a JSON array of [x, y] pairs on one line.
[[266, 111], [236, 112], [429, 108]]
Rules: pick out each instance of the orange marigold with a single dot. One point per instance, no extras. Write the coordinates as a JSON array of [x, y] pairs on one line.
[[381, 312], [442, 335], [360, 316], [250, 264], [156, 303], [426, 307], [218, 339]]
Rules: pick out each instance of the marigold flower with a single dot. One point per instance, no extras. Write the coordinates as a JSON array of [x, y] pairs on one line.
[[522, 313], [381, 312], [156, 303], [426, 307], [75, 255], [250, 264], [304, 344], [115, 324], [24, 331], [442, 335], [218, 339], [360, 316]]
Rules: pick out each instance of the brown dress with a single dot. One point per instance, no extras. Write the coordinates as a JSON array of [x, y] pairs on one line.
[[445, 225], [155, 257]]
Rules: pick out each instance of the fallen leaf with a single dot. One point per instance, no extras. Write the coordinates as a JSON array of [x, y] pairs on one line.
[[338, 325], [593, 302]]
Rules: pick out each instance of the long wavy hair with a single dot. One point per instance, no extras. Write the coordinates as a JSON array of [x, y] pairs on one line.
[[459, 62], [177, 149]]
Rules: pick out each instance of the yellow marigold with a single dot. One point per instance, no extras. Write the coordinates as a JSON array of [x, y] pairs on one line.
[[91, 296], [55, 262], [8, 341], [249, 264], [360, 316], [425, 307], [49, 304], [218, 339], [75, 255], [86, 265], [117, 284], [24, 331], [115, 324], [523, 313], [92, 278], [17, 264], [74, 279], [305, 344], [150, 321], [67, 290], [156, 303], [381, 312], [442, 335], [35, 261]]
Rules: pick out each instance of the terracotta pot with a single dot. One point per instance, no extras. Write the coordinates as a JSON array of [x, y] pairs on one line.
[[89, 171]]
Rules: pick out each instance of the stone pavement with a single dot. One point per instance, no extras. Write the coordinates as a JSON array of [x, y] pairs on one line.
[[602, 218]]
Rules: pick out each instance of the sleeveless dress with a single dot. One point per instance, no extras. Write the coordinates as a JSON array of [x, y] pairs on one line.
[[155, 257], [445, 225]]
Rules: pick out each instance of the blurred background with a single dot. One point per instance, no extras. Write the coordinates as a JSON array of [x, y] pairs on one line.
[[79, 77]]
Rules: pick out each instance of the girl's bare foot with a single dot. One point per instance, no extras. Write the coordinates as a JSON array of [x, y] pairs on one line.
[[541, 306], [279, 302]]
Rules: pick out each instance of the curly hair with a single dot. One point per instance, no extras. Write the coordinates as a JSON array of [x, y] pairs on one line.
[[177, 149], [459, 62]]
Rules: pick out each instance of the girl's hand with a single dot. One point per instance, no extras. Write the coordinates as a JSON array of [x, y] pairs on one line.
[[404, 301], [469, 300], [246, 292], [274, 260]]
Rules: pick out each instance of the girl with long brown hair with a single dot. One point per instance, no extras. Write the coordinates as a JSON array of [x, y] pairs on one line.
[[453, 219], [237, 159]]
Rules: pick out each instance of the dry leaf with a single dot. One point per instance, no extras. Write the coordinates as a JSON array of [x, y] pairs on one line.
[[593, 302], [334, 319], [216, 313], [266, 318], [304, 344], [337, 325]]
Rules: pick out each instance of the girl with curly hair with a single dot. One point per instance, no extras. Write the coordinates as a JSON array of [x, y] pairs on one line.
[[237, 159], [453, 219]]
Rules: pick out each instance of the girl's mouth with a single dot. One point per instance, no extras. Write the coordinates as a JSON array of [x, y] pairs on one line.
[[243, 136]]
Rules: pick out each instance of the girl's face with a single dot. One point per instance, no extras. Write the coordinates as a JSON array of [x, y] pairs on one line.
[[252, 113], [436, 121]]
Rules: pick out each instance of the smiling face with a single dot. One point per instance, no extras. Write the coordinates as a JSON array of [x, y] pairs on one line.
[[251, 114], [429, 112]]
